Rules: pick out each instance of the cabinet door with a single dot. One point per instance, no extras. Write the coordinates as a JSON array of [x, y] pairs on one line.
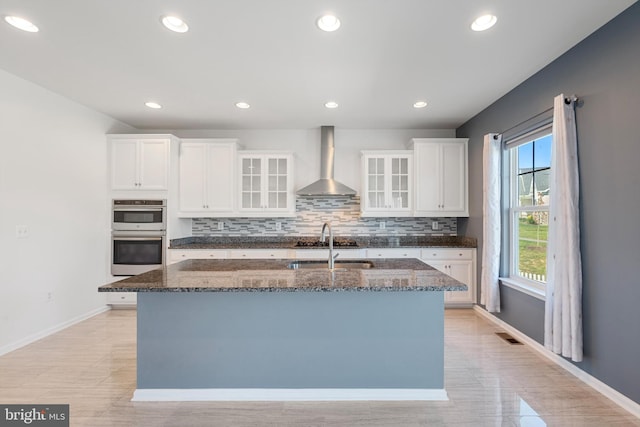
[[251, 183], [124, 161], [428, 177], [461, 271], [375, 183], [220, 177], [193, 177], [277, 183], [399, 183], [454, 178], [153, 164]]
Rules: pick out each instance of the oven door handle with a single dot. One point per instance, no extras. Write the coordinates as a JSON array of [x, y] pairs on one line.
[[140, 209], [136, 238]]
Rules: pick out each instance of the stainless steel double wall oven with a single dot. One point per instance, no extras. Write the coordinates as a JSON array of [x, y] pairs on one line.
[[138, 233]]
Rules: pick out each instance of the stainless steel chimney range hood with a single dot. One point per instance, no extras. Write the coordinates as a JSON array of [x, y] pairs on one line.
[[326, 186]]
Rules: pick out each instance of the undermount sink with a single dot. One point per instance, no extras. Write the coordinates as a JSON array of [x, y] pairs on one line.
[[355, 264]]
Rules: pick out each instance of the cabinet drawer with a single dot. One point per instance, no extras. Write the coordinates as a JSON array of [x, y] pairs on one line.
[[324, 253], [393, 253], [181, 255], [448, 254], [121, 298], [259, 254]]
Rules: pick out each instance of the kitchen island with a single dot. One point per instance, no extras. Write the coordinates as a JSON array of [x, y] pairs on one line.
[[259, 330]]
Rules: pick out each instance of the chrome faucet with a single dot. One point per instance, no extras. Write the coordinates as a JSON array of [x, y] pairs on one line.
[[332, 258]]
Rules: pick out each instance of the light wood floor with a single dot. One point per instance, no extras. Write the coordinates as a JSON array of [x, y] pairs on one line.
[[92, 367]]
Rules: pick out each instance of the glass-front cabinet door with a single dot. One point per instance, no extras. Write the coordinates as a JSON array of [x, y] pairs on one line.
[[277, 187], [399, 183], [267, 184], [386, 183], [375, 177], [251, 183]]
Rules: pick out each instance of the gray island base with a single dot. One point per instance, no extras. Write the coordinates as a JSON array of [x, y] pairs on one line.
[[207, 332]]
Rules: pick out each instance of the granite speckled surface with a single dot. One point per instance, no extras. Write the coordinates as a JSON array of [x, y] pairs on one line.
[[200, 242], [274, 276]]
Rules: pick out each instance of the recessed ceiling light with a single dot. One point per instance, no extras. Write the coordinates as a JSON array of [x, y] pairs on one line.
[[175, 24], [484, 22], [331, 104], [419, 104], [328, 23], [243, 105], [153, 105], [21, 23]]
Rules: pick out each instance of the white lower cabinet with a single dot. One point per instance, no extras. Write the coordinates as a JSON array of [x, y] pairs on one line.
[[459, 264]]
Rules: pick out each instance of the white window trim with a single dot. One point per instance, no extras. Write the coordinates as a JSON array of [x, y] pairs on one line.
[[520, 284]]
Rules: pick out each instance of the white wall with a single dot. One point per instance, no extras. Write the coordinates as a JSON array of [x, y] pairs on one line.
[[305, 143], [53, 180]]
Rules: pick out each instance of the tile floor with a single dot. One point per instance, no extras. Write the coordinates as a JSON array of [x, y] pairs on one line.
[[91, 366]]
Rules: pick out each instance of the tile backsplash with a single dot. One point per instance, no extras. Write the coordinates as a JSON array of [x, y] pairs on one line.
[[311, 213]]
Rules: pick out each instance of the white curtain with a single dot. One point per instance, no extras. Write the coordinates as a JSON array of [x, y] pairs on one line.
[[489, 286], [563, 306]]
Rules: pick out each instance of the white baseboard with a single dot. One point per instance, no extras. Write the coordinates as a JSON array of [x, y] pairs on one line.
[[280, 394], [49, 331], [614, 395]]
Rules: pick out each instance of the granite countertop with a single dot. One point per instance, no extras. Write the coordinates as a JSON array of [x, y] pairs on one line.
[[274, 276], [201, 242]]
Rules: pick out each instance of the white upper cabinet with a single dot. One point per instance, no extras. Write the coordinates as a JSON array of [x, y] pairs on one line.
[[441, 177], [207, 177], [266, 184], [139, 162], [387, 183]]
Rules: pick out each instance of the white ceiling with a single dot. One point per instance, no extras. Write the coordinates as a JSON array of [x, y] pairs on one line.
[[114, 55]]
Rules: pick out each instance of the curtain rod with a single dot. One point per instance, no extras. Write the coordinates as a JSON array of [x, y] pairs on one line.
[[567, 100]]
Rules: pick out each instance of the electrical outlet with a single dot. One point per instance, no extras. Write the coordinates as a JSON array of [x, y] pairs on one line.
[[383, 225], [278, 226], [49, 296], [220, 225], [435, 225], [22, 232]]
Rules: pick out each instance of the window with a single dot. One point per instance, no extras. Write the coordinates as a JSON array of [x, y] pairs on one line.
[[529, 188]]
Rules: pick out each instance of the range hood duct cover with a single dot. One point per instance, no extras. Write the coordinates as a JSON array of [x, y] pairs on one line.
[[326, 186]]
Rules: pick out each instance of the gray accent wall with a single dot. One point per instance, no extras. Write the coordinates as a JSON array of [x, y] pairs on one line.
[[604, 71]]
